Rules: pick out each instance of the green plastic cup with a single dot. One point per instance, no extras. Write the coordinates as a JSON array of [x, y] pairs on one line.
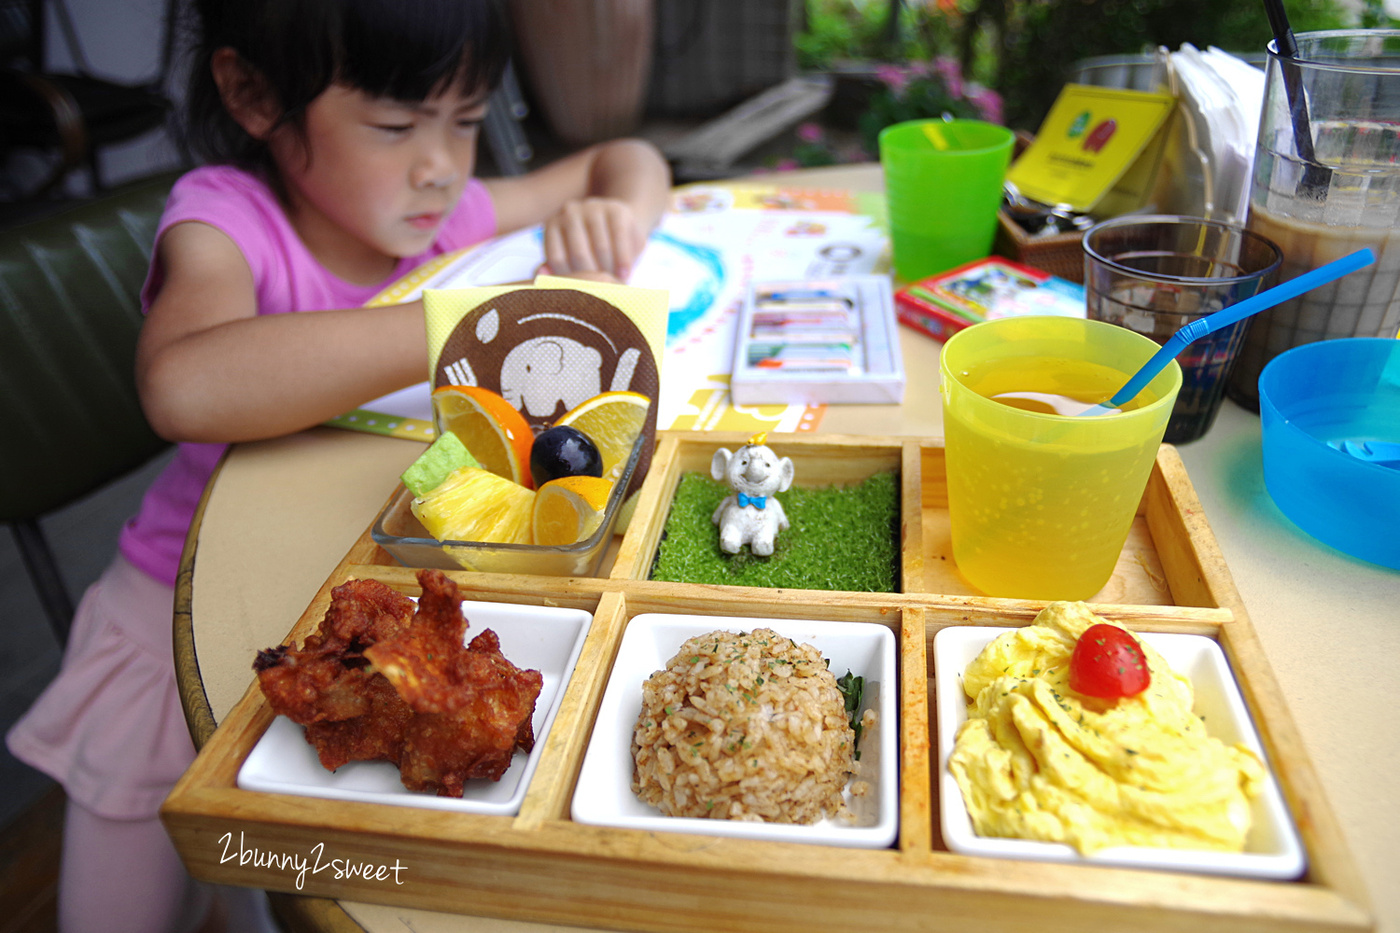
[[1040, 504], [943, 184]]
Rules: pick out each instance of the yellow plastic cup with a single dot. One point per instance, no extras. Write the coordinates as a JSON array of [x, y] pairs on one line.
[[943, 183], [1041, 504]]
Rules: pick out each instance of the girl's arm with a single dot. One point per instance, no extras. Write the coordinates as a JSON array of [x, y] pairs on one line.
[[597, 206], [210, 369]]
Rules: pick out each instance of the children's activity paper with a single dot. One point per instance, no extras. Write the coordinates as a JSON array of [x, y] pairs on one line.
[[713, 241]]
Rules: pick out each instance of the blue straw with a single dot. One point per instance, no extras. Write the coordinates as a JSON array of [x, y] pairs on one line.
[[1213, 322]]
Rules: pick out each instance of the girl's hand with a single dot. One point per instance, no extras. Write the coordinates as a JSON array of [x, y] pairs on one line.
[[597, 206], [594, 234]]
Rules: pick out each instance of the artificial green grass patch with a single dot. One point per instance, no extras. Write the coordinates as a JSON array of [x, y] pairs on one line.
[[842, 538]]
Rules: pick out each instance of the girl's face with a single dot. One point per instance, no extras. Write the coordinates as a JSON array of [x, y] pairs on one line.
[[370, 180]]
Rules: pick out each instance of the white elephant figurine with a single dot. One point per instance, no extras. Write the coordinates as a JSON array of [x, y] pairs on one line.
[[751, 515]]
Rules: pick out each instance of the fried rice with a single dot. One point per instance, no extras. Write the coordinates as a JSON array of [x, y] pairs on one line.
[[748, 726]]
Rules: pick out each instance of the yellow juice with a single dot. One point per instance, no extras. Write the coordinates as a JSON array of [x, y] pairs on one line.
[[1049, 386], [1040, 504]]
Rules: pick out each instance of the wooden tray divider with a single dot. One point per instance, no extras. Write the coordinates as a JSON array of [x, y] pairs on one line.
[[741, 601], [568, 592], [1186, 546], [819, 459], [639, 544], [552, 787], [974, 610], [933, 470], [916, 802], [911, 518]]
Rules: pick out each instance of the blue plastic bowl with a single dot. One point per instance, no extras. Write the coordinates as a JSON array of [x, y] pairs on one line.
[[1332, 391]]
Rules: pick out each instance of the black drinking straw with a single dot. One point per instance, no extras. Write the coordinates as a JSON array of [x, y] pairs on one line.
[[1315, 176]]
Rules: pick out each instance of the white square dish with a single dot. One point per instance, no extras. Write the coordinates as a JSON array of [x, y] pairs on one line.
[[1272, 850], [603, 795], [532, 638]]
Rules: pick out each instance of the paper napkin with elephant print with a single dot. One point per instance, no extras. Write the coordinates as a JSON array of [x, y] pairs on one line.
[[548, 347]]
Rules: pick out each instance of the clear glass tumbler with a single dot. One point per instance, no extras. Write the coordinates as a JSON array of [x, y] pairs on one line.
[[1326, 183], [1156, 274]]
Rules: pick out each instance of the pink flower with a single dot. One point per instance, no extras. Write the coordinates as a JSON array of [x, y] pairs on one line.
[[951, 72], [809, 133], [786, 165], [893, 78], [987, 102]]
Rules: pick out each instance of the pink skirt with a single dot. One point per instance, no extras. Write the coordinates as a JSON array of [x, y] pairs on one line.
[[110, 727]]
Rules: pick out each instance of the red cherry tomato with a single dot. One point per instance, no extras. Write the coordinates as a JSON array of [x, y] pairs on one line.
[[1108, 663]]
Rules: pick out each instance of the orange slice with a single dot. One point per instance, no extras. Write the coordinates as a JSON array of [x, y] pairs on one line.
[[493, 431], [612, 422], [476, 505], [570, 509]]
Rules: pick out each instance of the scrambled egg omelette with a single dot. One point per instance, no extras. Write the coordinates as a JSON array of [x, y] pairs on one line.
[[1036, 760]]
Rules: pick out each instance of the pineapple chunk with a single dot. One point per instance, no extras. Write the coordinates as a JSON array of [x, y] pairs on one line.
[[473, 504]]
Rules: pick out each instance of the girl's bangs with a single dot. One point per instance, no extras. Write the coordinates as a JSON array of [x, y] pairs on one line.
[[411, 49]]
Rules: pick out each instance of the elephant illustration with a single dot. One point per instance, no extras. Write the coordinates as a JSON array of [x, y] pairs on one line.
[[547, 350], [540, 373]]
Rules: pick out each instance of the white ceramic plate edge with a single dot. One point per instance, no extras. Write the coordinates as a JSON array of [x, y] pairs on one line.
[[264, 769], [1197, 656], [603, 794]]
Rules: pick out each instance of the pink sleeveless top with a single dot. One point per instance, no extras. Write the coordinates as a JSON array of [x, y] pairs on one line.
[[287, 278]]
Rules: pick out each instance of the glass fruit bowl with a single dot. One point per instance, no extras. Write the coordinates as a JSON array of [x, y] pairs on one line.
[[399, 532]]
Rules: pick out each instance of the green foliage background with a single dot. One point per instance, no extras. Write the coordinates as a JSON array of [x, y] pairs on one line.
[[1024, 48], [1040, 39]]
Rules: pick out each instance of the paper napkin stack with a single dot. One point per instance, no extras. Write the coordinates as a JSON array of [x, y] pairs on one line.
[[1206, 171]]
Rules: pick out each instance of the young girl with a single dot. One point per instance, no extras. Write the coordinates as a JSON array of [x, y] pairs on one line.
[[341, 137]]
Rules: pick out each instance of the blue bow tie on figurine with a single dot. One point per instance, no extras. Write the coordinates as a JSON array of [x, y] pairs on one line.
[[757, 502]]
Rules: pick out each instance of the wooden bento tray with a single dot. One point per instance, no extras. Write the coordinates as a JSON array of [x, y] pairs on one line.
[[541, 866]]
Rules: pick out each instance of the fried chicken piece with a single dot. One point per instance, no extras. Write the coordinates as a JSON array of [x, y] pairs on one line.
[[473, 707], [415, 659], [375, 736], [328, 679], [381, 681], [478, 738], [366, 612]]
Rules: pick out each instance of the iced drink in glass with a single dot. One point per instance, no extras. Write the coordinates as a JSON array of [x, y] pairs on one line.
[[1337, 191]]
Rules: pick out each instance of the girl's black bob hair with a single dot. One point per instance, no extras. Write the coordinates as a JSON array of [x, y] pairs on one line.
[[400, 49]]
